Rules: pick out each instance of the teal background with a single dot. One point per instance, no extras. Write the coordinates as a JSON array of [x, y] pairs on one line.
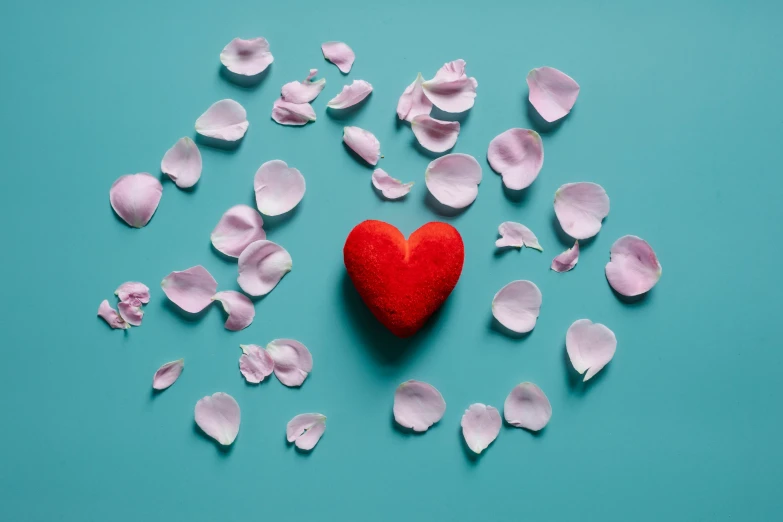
[[679, 117]]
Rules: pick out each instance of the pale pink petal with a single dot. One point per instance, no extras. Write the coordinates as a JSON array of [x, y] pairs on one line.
[[590, 346], [167, 374], [390, 187], [279, 188], [287, 113], [350, 95], [413, 102], [306, 430], [517, 305], [190, 289], [135, 198], [247, 57], [527, 407], [261, 266], [255, 363], [552, 93], [239, 308], [339, 54], [182, 163], [451, 90], [453, 179], [567, 260], [480, 426], [435, 135], [110, 315], [364, 143], [580, 208], [225, 120], [132, 314], [304, 91], [633, 267], [239, 226], [133, 293], [517, 155], [218, 416], [418, 405], [292, 361], [516, 235]]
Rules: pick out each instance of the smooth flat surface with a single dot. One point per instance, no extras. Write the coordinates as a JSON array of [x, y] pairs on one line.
[[679, 118]]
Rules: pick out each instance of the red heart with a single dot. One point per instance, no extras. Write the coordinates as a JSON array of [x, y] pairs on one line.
[[403, 282]]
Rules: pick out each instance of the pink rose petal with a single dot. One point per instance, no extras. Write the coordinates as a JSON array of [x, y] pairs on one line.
[[133, 293], [110, 315], [451, 90], [633, 267], [247, 57], [390, 187], [279, 188], [590, 346], [255, 363], [527, 407], [435, 135], [167, 374], [182, 163], [218, 416], [225, 120], [567, 260], [190, 289], [480, 426], [304, 91], [239, 308], [350, 95], [306, 430], [339, 54], [418, 405], [517, 155], [552, 93], [135, 198], [131, 314], [516, 235], [287, 113], [413, 102], [293, 361], [239, 226], [517, 305], [580, 208], [364, 143], [261, 266], [453, 179]]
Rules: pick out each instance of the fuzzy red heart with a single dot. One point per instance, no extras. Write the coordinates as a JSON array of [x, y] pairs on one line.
[[403, 282]]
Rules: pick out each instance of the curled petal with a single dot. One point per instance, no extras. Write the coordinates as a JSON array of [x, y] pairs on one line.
[[527, 407], [247, 57], [132, 314], [480, 426], [413, 102], [339, 54], [225, 120], [304, 91], [418, 405], [590, 346], [167, 374], [110, 315], [279, 188], [517, 305], [261, 266], [135, 198], [390, 187], [453, 179], [190, 289], [364, 143], [239, 308], [255, 363], [218, 416], [182, 163], [293, 361], [435, 135], [287, 113], [350, 95], [517, 155], [516, 235], [133, 293], [239, 226], [306, 430], [633, 267], [552, 93], [580, 208], [451, 90], [567, 260]]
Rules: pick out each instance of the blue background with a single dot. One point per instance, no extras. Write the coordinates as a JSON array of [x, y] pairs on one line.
[[679, 117]]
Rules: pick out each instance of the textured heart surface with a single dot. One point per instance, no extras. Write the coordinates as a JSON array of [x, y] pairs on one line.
[[403, 282]]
